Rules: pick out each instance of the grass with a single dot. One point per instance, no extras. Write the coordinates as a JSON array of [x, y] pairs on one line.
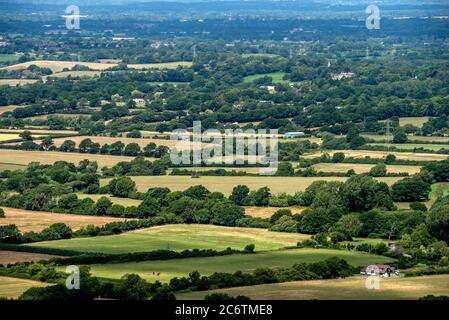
[[267, 212], [415, 121], [352, 288], [20, 157], [180, 237], [5, 57], [382, 154], [289, 185], [163, 65], [83, 74], [412, 146], [206, 266], [16, 82], [362, 168], [7, 257], [8, 108], [27, 220], [277, 77], [381, 138], [10, 166], [14, 287], [265, 55], [127, 202], [142, 142], [38, 131]]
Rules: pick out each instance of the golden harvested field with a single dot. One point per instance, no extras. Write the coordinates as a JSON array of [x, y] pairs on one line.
[[143, 142], [416, 121], [9, 108], [64, 115], [7, 136], [27, 220], [127, 202], [382, 154], [39, 131], [16, 82], [267, 212], [289, 185], [166, 65], [7, 257], [352, 288], [49, 157], [14, 287], [362, 168], [58, 66], [83, 74]]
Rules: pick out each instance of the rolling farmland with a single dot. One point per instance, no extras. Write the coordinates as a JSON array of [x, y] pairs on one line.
[[246, 263], [180, 237], [27, 220], [21, 157], [339, 289], [225, 185], [14, 287]]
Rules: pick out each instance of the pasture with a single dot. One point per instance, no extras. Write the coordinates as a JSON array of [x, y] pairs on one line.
[[27, 220], [14, 287], [6, 57], [8, 108], [163, 65], [180, 237], [358, 154], [58, 66], [363, 168], [267, 212], [10, 166], [7, 257], [142, 142], [289, 185], [415, 121], [276, 76], [165, 270], [381, 138], [21, 157], [412, 146], [16, 82], [122, 201], [352, 288]]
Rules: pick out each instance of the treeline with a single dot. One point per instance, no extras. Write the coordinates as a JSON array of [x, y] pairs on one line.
[[117, 148]]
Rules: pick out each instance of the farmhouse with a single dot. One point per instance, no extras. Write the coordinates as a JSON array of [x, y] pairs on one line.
[[382, 270]]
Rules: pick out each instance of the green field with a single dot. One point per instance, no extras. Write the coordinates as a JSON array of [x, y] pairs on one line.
[[263, 55], [272, 259], [14, 287], [381, 138], [277, 77], [127, 202], [179, 237], [412, 146], [352, 288], [11, 166], [289, 185], [8, 58]]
